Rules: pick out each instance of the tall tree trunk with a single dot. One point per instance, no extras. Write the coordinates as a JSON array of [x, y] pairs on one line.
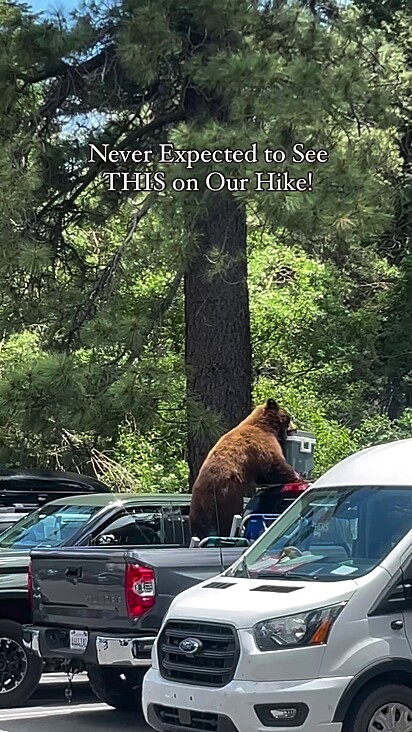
[[217, 339]]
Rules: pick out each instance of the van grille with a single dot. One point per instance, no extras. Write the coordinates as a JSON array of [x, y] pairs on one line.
[[215, 662], [205, 721]]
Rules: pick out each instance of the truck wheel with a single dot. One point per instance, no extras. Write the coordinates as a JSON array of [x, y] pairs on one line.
[[384, 707], [20, 671], [118, 687]]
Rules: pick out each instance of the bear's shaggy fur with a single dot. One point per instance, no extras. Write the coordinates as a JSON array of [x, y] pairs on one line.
[[250, 454]]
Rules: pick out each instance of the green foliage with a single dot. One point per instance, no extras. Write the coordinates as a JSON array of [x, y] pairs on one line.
[[380, 429], [149, 463], [92, 360]]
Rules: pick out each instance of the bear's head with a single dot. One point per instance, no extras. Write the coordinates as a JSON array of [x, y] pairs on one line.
[[271, 416], [278, 419]]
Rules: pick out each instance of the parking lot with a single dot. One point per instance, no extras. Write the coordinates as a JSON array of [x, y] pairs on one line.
[[48, 710]]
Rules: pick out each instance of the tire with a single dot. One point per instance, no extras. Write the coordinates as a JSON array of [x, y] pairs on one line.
[[20, 671], [384, 702], [120, 688]]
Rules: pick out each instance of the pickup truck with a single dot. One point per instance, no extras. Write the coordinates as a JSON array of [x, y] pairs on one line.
[[102, 610], [93, 520]]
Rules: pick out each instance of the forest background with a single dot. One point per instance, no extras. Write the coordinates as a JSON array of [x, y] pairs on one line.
[[137, 327]]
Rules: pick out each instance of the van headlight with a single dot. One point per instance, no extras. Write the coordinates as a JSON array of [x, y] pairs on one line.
[[304, 629]]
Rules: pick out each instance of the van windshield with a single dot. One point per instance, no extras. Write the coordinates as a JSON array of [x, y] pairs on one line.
[[329, 534], [50, 526]]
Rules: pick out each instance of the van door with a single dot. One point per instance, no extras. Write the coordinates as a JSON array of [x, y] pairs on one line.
[[403, 598]]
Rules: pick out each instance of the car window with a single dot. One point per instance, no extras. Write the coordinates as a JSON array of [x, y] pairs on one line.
[[51, 526], [5, 525], [146, 525]]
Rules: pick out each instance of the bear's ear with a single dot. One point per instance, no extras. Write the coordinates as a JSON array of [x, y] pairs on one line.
[[272, 405]]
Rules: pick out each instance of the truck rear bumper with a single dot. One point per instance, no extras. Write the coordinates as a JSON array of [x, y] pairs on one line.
[[101, 649]]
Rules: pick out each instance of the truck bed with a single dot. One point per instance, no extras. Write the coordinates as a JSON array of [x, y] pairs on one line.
[[84, 588]]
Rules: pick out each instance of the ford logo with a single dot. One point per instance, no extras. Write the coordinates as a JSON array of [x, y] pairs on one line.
[[190, 646]]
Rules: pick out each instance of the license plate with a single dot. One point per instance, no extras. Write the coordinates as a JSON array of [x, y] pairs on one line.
[[78, 639]]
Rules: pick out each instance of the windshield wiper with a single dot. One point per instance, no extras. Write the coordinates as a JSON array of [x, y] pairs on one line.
[[245, 567], [242, 565], [289, 575]]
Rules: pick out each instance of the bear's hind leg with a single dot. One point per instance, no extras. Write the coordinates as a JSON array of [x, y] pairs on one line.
[[200, 528], [228, 505]]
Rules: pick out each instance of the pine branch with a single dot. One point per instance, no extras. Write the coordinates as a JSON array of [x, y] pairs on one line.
[[84, 68], [159, 313], [128, 143], [87, 310], [105, 466]]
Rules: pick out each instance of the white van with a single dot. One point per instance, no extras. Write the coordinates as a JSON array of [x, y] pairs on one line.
[[312, 628]]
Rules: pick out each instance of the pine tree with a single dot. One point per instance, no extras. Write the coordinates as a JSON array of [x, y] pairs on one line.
[[394, 18], [94, 280]]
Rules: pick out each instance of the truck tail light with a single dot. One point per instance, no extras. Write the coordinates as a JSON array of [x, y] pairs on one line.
[[140, 590], [294, 487], [30, 583]]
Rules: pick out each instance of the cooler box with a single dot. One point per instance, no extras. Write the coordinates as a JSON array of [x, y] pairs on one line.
[[300, 452]]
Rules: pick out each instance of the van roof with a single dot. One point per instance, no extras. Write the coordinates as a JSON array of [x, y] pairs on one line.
[[383, 465]]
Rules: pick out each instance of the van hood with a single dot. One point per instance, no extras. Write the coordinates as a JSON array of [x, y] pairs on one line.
[[244, 602]]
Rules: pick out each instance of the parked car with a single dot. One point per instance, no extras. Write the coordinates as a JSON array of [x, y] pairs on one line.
[[34, 487], [22, 491], [312, 628], [266, 506], [105, 519]]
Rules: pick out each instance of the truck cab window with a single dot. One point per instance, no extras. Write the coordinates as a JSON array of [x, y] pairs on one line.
[[131, 529], [177, 525], [146, 526]]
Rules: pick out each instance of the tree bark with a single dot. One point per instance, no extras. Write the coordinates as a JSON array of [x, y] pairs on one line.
[[217, 318]]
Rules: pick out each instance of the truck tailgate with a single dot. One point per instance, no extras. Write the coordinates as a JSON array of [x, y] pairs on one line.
[[85, 588], [79, 587]]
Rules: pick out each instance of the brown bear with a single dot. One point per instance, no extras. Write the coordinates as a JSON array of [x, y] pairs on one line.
[[250, 454]]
